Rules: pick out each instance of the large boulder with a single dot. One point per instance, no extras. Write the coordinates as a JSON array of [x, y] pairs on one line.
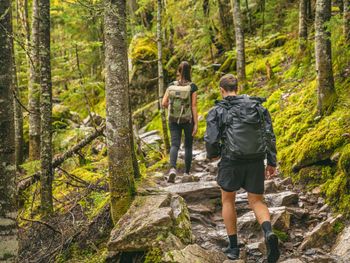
[[152, 222], [342, 245], [195, 190], [321, 234], [194, 254]]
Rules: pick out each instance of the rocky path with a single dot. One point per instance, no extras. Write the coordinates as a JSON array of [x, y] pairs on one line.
[[304, 223], [307, 229]]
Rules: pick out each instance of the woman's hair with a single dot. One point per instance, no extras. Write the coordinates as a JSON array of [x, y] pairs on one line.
[[184, 72]]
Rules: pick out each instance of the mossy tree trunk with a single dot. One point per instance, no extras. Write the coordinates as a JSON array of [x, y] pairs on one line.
[[19, 141], [161, 77], [239, 33], [325, 80], [34, 87], [120, 165], [302, 24], [46, 176], [226, 23], [8, 229], [346, 16]]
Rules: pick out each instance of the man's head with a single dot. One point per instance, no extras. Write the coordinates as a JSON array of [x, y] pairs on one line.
[[228, 85]]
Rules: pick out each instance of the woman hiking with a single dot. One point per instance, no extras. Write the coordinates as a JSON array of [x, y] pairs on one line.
[[181, 100]]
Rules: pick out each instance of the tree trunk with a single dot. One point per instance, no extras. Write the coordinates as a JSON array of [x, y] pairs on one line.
[[263, 18], [346, 15], [249, 16], [8, 229], [237, 20], [34, 88], [18, 114], [135, 163], [226, 22], [161, 77], [120, 165], [46, 176], [325, 80], [302, 24]]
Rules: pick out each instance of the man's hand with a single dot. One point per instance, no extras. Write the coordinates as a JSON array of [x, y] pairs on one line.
[[214, 159], [195, 129], [270, 172]]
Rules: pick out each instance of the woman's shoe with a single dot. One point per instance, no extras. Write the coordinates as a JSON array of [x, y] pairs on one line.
[[172, 175]]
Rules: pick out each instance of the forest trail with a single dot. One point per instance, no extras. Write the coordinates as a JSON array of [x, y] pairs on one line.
[[301, 219]]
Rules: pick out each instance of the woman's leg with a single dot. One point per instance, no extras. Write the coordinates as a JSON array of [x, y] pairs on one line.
[[188, 129], [175, 132]]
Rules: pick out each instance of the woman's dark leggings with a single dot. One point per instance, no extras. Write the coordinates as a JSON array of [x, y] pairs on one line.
[[176, 132]]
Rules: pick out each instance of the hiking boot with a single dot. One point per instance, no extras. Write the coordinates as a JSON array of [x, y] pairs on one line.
[[172, 175], [271, 241], [231, 253]]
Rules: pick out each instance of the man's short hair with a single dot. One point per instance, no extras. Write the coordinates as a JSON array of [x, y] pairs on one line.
[[229, 82]]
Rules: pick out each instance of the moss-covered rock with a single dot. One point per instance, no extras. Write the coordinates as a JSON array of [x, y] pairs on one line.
[[152, 222]]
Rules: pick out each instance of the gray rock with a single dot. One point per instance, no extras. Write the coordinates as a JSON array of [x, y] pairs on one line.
[[270, 187], [204, 209], [148, 221], [282, 199], [151, 137], [292, 260], [257, 246], [321, 234], [194, 254], [234, 261], [196, 190], [342, 245]]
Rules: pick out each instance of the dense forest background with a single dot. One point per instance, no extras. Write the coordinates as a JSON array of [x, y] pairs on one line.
[[66, 217]]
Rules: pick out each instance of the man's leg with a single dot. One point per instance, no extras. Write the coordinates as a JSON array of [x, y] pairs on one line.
[[256, 203], [230, 219], [262, 215]]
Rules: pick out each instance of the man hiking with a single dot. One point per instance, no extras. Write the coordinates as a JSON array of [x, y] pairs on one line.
[[181, 100], [239, 131]]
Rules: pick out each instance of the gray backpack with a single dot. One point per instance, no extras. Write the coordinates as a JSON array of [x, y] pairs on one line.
[[245, 134]]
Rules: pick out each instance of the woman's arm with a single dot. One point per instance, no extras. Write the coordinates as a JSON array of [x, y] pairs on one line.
[[165, 101], [195, 113]]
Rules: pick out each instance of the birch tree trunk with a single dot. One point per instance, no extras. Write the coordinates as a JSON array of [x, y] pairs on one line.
[[325, 80], [34, 87], [161, 77], [302, 24], [239, 33], [46, 176], [346, 15], [120, 166], [8, 229]]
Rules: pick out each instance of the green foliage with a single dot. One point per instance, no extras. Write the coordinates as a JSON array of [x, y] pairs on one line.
[[281, 235], [154, 256]]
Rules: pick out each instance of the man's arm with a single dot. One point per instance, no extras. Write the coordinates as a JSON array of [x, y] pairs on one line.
[[271, 147], [212, 135]]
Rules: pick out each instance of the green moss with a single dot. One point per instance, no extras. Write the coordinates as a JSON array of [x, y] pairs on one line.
[[154, 256], [281, 235], [183, 225], [338, 227]]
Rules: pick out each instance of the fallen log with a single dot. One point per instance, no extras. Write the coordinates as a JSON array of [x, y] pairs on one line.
[[28, 181]]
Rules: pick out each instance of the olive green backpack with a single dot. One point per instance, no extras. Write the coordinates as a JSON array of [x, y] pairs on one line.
[[180, 106]]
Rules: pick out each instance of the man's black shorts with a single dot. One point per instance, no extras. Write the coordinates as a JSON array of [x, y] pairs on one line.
[[234, 174]]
